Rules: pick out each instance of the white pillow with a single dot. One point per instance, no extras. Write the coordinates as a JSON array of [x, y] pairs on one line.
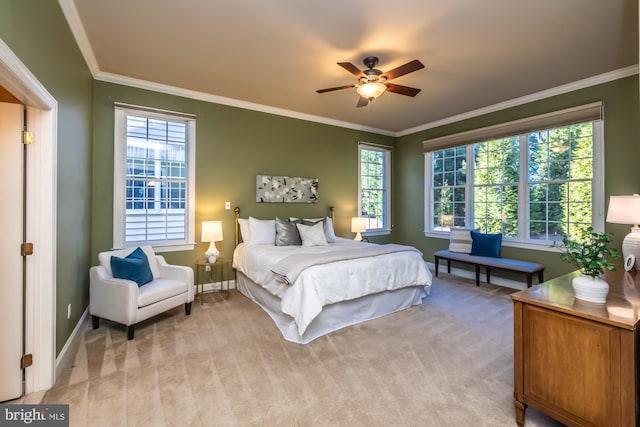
[[244, 229], [460, 240], [312, 235], [262, 231], [329, 232]]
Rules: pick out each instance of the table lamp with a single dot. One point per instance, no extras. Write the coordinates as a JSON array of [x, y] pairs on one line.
[[626, 210], [358, 225], [212, 232]]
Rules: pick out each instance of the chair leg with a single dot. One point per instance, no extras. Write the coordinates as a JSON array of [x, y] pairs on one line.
[[187, 308], [130, 331], [95, 321]]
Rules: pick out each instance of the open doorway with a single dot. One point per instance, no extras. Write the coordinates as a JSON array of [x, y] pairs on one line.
[[41, 113]]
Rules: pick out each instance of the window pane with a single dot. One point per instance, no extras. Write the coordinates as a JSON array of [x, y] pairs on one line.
[[557, 181], [495, 186], [373, 192], [560, 181], [449, 169], [156, 190]]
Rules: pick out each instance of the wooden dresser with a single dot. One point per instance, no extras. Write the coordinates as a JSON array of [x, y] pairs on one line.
[[578, 361]]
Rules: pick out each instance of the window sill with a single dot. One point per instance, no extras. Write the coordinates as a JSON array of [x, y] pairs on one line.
[[173, 248], [542, 246]]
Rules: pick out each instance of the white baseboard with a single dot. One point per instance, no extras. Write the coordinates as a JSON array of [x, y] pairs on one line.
[[468, 274], [61, 359]]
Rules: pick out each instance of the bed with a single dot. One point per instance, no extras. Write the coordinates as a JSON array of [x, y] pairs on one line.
[[311, 290]]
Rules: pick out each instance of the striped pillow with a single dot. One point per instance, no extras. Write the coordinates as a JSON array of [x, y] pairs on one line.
[[460, 240]]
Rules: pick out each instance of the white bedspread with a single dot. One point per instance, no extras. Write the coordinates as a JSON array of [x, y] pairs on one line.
[[324, 284]]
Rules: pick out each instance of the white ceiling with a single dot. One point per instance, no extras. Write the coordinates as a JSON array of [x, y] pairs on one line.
[[276, 53]]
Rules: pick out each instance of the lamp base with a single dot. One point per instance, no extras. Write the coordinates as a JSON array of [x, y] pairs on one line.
[[358, 237], [631, 245], [212, 253]]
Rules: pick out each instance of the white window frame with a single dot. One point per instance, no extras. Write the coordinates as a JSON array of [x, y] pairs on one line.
[[522, 241], [120, 180], [387, 185]]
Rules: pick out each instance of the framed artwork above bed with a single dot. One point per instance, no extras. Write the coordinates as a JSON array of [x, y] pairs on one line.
[[286, 189]]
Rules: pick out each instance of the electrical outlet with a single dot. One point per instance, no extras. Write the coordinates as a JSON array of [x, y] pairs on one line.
[[69, 311], [227, 205]]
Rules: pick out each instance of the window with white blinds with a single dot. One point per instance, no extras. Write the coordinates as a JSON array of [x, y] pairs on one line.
[[153, 178], [374, 198]]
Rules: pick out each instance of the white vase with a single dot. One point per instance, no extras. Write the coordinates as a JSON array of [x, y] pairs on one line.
[[591, 289]]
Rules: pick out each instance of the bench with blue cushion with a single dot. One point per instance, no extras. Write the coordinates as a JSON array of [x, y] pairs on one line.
[[529, 268]]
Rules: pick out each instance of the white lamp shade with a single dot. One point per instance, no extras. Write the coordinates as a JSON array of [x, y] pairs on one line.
[[624, 209], [358, 224], [211, 231]]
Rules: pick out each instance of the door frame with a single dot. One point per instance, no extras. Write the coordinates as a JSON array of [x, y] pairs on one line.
[[40, 298]]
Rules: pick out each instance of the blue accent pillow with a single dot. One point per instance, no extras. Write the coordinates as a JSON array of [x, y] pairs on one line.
[[486, 244], [134, 266]]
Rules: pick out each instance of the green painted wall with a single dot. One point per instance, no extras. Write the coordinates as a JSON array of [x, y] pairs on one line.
[[233, 145], [37, 32], [622, 174]]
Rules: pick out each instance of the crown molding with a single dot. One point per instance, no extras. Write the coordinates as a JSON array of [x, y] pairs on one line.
[[558, 90], [77, 29], [201, 96], [75, 23]]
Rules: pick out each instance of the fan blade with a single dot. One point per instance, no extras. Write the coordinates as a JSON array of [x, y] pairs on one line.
[[351, 68], [402, 90], [362, 102], [331, 89], [407, 68]]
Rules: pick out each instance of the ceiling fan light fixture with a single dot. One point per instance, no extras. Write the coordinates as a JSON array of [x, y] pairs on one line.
[[371, 90]]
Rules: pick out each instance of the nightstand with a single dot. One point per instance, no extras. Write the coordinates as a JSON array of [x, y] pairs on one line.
[[206, 274]]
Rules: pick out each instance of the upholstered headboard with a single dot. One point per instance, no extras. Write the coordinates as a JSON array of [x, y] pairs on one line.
[[236, 211]]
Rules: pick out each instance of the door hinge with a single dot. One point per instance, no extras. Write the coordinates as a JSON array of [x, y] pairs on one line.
[[26, 361], [27, 137], [26, 249]]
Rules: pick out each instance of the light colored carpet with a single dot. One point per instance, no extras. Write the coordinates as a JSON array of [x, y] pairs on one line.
[[448, 362]]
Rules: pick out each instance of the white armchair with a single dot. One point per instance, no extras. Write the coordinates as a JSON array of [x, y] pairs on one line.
[[124, 302]]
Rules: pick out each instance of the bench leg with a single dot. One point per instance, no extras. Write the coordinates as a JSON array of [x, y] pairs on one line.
[[437, 262], [529, 279], [448, 267], [540, 276], [488, 275], [477, 274]]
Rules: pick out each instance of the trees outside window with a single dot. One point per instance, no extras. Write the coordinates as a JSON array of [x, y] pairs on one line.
[[449, 182], [532, 187]]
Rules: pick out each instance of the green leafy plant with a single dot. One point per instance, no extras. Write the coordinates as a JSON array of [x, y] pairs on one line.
[[590, 256]]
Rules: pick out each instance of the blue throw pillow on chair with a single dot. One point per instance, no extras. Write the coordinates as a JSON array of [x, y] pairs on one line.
[[486, 244], [134, 266]]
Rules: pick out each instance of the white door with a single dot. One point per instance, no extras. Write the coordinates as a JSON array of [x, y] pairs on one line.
[[11, 222]]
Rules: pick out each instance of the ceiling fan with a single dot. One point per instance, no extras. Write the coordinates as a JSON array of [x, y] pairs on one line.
[[372, 82]]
